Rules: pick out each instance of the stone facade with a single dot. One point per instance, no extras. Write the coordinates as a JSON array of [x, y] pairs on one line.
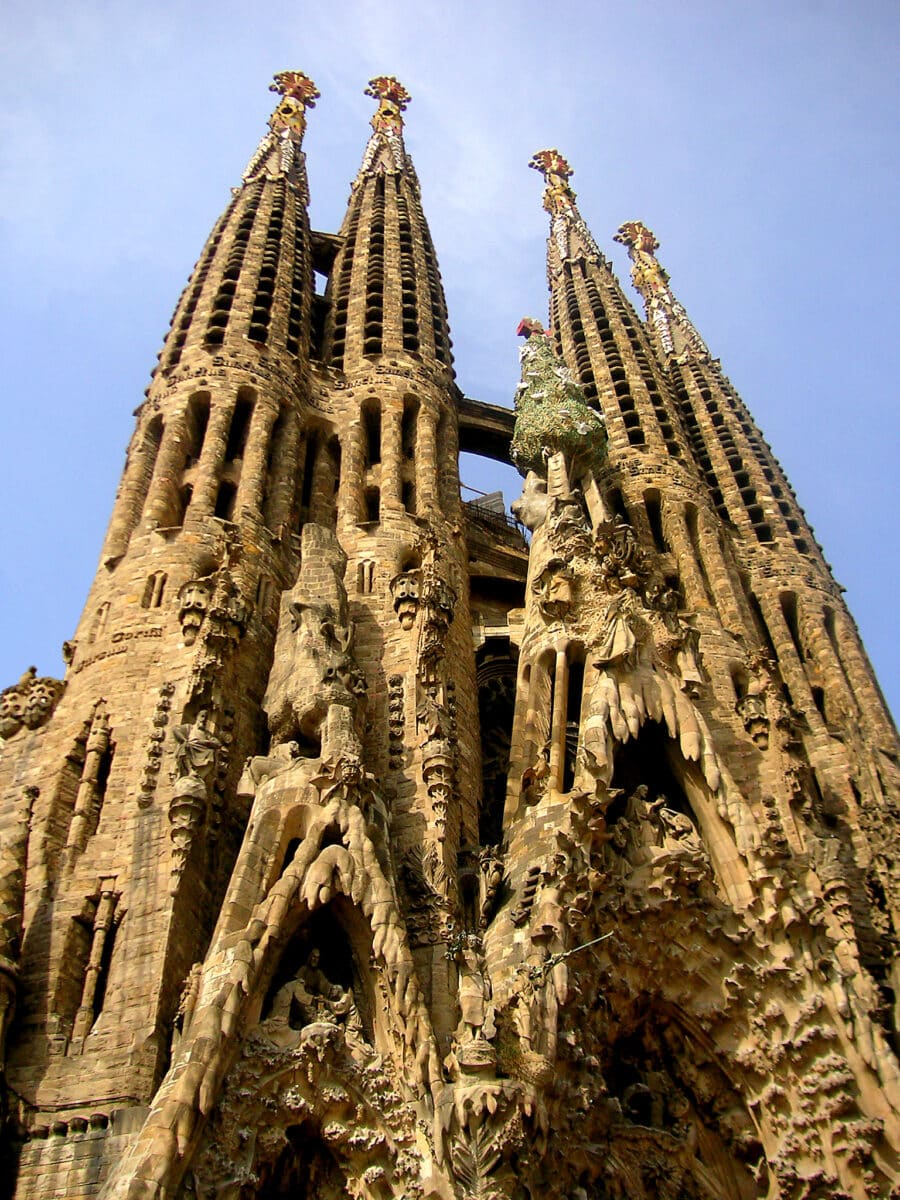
[[374, 846]]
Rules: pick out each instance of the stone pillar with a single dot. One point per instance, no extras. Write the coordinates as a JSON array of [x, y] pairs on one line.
[[717, 572], [131, 497], [558, 720], [351, 496], [103, 920], [253, 471], [212, 456], [676, 528], [426, 461], [163, 500], [391, 468], [285, 474], [86, 811]]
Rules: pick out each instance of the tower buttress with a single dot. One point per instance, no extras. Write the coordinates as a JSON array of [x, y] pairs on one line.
[[138, 752]]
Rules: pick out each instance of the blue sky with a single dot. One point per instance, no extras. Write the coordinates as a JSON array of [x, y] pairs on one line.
[[758, 140]]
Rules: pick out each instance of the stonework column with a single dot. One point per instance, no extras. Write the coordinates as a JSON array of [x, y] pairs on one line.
[[253, 471], [212, 456], [426, 460], [390, 457], [284, 474], [680, 540], [351, 496], [163, 500]]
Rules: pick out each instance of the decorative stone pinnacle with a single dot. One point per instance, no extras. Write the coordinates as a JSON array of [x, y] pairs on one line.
[[558, 194], [551, 162], [299, 93], [392, 98], [636, 236], [665, 314]]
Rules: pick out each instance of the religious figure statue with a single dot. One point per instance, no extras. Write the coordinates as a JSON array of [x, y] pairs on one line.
[[312, 997], [196, 747]]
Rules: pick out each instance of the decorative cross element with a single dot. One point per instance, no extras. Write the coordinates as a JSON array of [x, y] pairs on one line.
[[386, 87], [392, 99], [559, 198], [297, 86], [636, 236], [551, 162]]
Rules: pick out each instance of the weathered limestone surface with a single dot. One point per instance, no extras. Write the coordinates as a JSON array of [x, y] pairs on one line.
[[370, 847]]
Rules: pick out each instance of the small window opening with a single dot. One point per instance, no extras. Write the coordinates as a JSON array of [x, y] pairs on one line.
[[654, 516], [373, 504], [153, 590], [372, 425], [408, 497], [225, 499], [240, 427]]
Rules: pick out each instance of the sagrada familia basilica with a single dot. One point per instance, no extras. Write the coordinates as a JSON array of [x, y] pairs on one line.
[[381, 845]]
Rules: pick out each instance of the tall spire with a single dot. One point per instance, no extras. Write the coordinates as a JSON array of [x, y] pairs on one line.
[[598, 334], [385, 152], [568, 231], [385, 228], [278, 153], [665, 315]]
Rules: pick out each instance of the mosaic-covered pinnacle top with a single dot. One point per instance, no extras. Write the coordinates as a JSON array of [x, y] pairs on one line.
[[666, 315], [558, 195], [392, 99], [298, 93]]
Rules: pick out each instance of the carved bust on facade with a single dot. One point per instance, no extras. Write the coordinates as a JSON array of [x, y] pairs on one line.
[[405, 589]]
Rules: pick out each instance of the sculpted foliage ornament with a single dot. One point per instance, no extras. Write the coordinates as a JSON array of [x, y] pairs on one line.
[[28, 703], [551, 414]]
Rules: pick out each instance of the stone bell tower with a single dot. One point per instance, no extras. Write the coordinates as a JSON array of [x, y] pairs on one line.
[[382, 845]]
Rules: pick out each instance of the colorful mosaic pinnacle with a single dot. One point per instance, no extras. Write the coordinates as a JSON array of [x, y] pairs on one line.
[[393, 99], [296, 85], [299, 93], [636, 236], [558, 195]]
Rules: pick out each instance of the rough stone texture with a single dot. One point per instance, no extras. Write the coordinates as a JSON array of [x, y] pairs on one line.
[[371, 849]]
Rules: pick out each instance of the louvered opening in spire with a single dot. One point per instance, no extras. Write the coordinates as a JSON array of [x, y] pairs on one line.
[[386, 256]]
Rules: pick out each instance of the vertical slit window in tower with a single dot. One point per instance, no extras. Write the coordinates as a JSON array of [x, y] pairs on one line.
[[240, 425], [654, 517], [441, 341], [146, 465], [761, 623], [98, 625], [408, 427], [225, 499], [693, 528], [224, 298], [198, 420], [73, 963], [579, 338], [617, 504], [342, 293], [372, 426], [299, 276], [185, 493], [410, 315], [574, 690], [788, 602], [334, 463], [308, 476], [373, 333], [373, 505], [408, 496], [261, 313], [273, 468], [180, 332], [153, 590]]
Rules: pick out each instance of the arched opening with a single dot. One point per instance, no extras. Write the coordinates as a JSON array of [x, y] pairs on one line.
[[496, 665], [330, 952], [304, 1170]]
